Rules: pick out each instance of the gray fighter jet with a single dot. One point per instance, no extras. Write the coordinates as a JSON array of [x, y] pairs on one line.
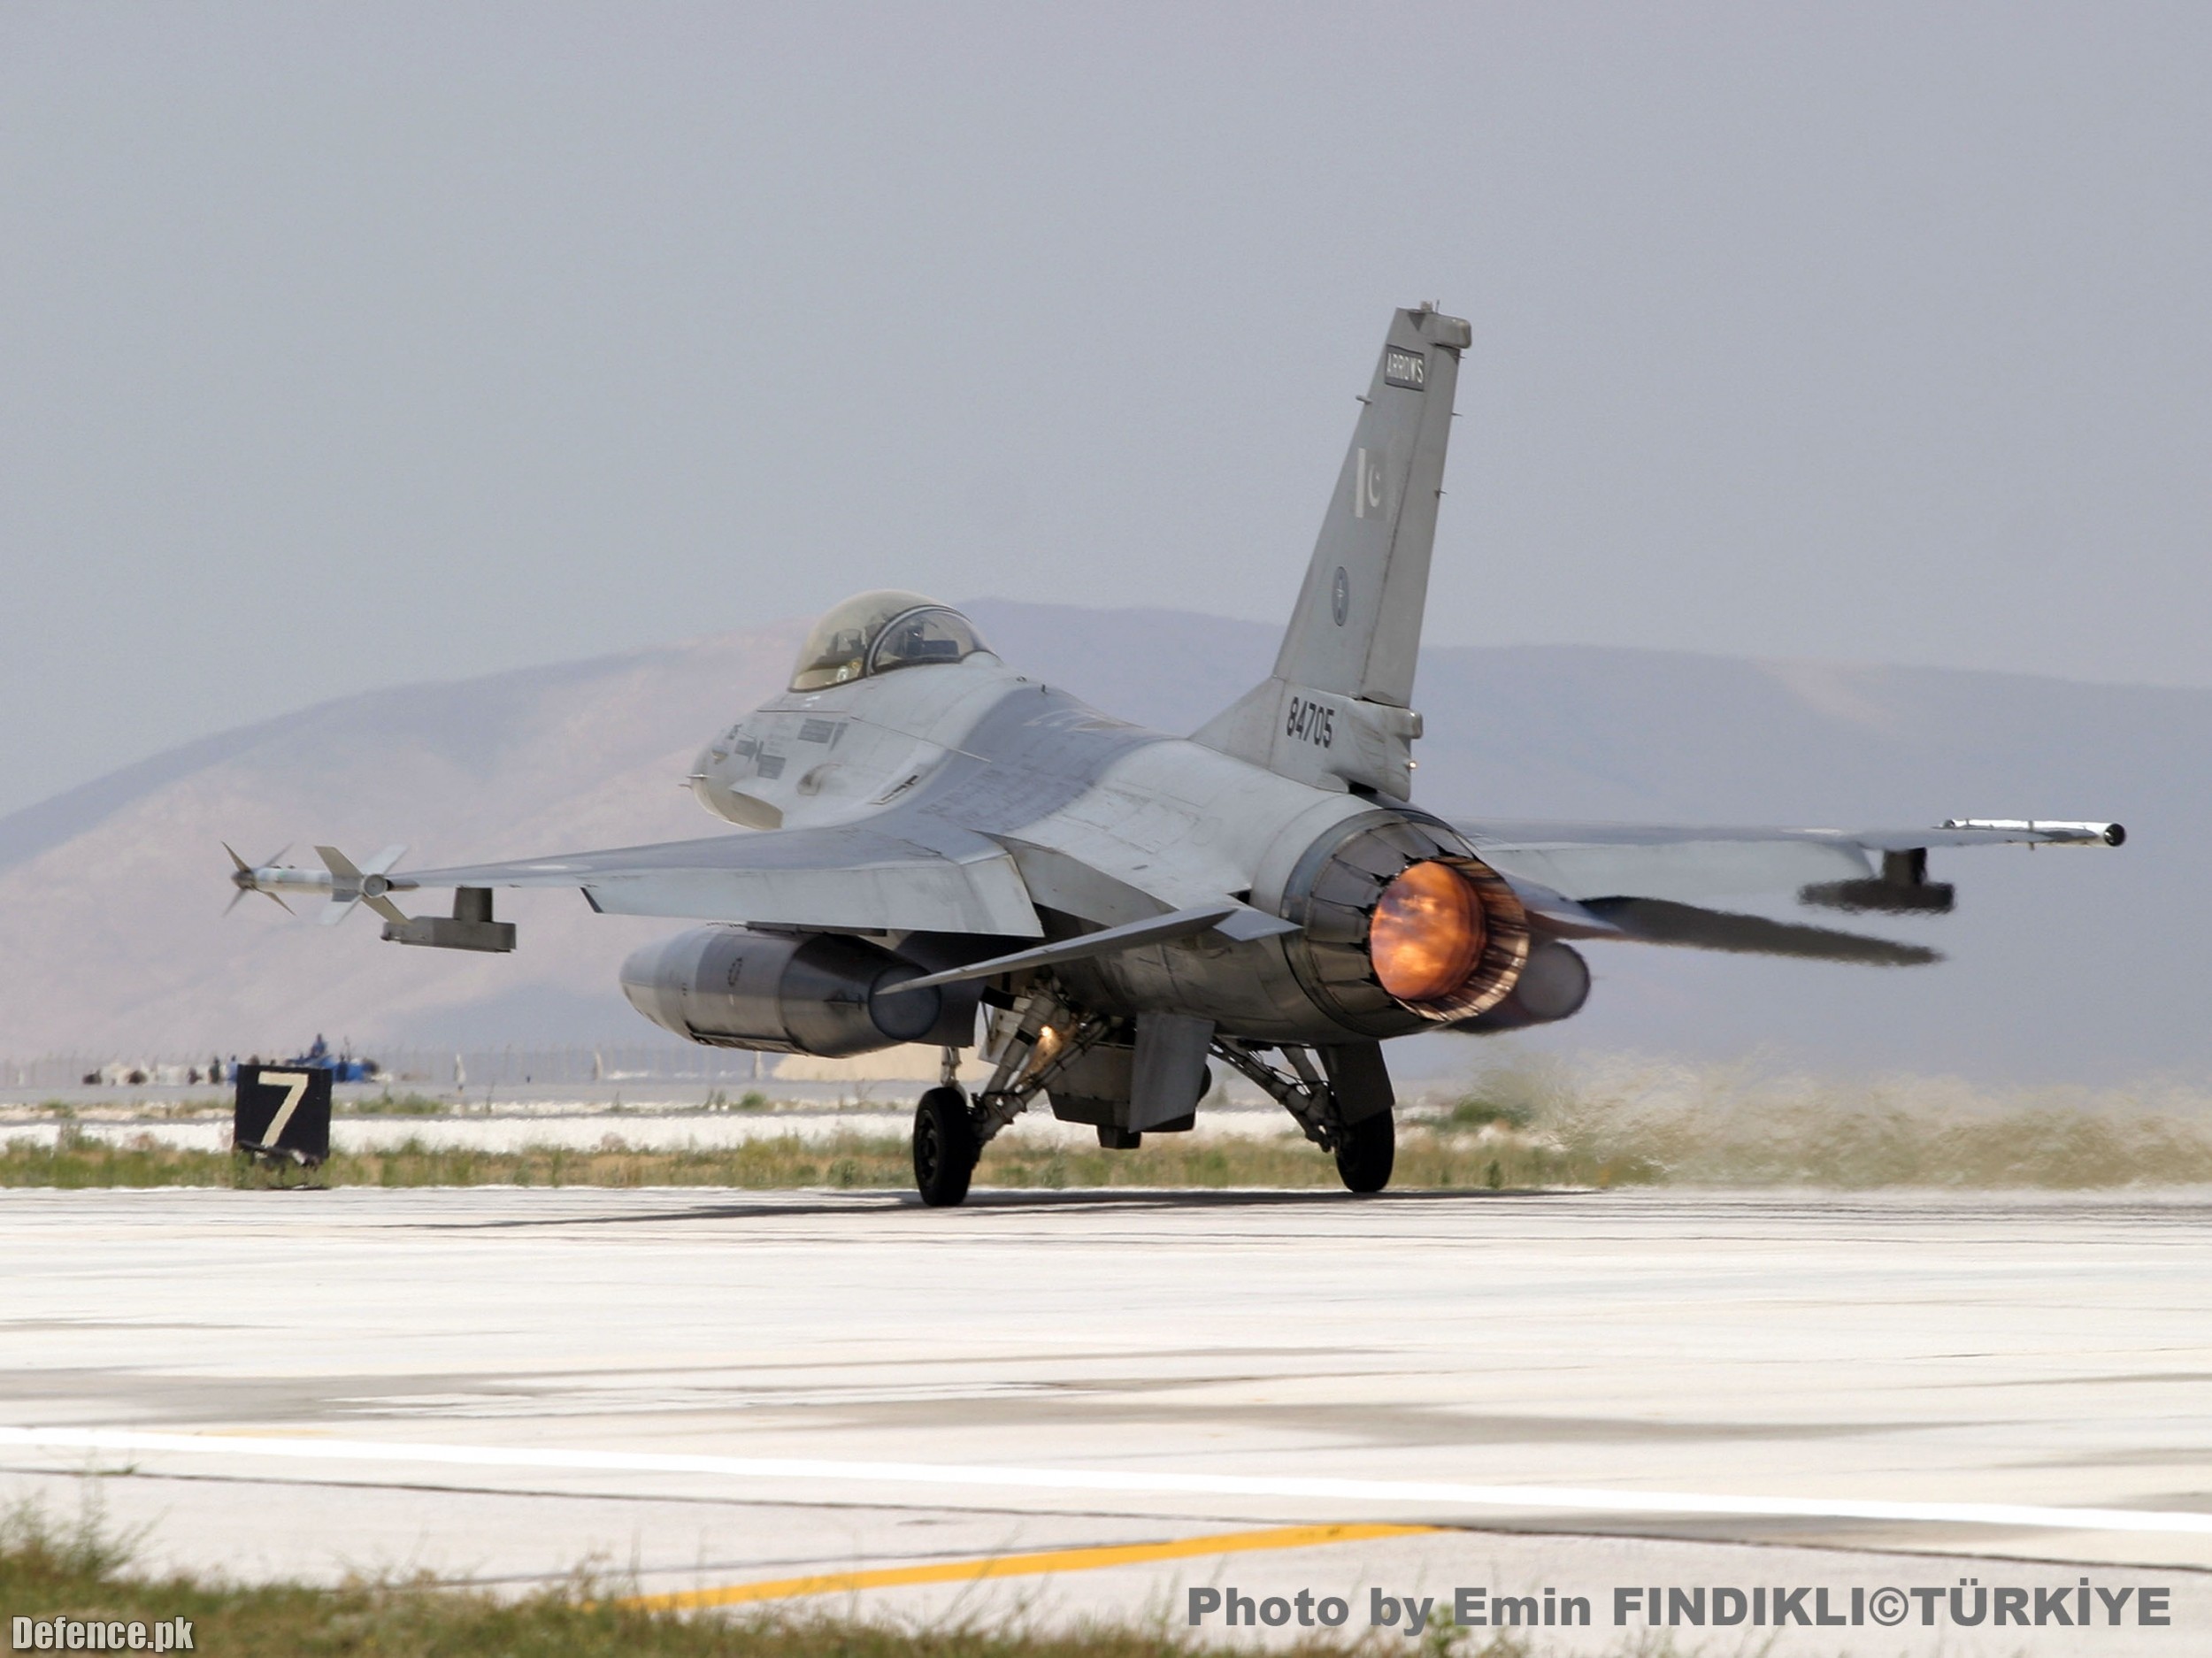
[[941, 847]]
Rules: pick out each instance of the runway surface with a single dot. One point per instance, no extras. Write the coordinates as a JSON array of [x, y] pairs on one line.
[[1105, 1399]]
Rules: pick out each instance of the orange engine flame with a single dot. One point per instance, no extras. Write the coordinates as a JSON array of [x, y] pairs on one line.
[[1428, 933]]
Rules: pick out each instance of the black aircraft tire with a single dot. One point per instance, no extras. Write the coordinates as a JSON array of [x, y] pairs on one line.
[[1366, 1152], [945, 1147]]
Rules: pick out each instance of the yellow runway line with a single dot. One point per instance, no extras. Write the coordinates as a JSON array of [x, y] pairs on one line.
[[1022, 1565]]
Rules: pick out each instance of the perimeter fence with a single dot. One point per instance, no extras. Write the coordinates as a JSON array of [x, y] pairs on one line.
[[431, 1068]]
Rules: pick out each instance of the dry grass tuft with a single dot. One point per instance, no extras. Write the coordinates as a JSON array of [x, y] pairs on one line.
[[79, 1570], [1746, 1124]]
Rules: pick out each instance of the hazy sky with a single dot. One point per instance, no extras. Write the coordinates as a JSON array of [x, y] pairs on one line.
[[350, 345]]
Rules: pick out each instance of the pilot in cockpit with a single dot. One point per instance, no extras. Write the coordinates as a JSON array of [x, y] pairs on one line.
[[874, 632]]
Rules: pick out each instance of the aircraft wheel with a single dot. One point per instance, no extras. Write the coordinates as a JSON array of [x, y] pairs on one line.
[[945, 1147], [1365, 1154]]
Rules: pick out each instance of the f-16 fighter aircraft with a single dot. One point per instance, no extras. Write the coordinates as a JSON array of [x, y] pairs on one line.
[[941, 847]]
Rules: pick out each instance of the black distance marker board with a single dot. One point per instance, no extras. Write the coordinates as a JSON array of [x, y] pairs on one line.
[[283, 1112]]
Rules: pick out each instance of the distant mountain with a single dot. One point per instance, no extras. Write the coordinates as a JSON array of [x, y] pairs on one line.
[[2064, 965]]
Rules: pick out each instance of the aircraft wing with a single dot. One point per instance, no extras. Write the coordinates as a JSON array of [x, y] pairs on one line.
[[1649, 881], [1685, 864], [844, 876]]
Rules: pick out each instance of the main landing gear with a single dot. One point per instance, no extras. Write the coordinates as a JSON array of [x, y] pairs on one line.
[[1323, 1096], [1365, 1151], [945, 1147], [1340, 1096]]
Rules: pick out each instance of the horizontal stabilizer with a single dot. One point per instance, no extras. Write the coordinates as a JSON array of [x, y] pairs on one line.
[[1659, 921]]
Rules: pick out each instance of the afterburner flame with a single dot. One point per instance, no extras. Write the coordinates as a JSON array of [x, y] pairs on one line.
[[1428, 933]]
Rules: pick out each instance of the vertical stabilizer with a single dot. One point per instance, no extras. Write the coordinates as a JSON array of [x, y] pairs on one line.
[[1338, 707]]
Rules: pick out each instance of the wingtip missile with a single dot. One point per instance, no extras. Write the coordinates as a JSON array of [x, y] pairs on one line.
[[340, 880], [2046, 830]]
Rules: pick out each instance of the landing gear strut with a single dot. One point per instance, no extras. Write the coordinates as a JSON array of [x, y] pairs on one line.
[[1365, 1150], [1032, 1043]]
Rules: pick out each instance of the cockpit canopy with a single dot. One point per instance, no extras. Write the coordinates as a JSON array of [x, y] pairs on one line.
[[874, 632]]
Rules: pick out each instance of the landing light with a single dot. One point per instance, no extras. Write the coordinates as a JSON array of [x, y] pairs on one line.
[[1428, 933]]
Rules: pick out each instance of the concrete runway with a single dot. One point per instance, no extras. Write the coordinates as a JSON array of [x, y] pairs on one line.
[[738, 1396]]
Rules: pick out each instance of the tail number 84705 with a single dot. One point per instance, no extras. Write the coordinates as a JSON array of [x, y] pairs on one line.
[[1315, 722]]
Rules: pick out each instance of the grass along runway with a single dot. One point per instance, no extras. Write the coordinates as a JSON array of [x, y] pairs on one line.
[[845, 1162], [1598, 1123]]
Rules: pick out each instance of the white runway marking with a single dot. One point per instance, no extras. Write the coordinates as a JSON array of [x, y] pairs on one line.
[[1403, 1494]]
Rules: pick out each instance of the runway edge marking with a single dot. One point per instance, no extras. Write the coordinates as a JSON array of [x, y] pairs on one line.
[[1402, 1493], [1040, 1563]]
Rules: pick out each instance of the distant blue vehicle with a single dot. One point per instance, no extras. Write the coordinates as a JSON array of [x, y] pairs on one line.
[[341, 1067]]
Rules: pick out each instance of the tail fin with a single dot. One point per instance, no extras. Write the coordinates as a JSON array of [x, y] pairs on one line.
[[349, 885], [1336, 708]]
